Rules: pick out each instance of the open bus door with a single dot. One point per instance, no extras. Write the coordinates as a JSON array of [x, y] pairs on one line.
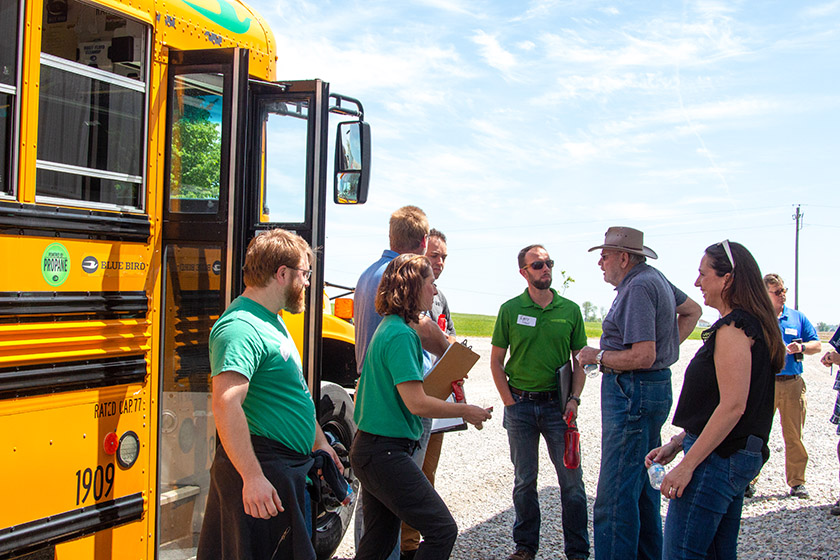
[[205, 93], [243, 156]]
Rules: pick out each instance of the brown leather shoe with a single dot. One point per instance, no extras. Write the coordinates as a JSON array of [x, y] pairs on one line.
[[521, 554]]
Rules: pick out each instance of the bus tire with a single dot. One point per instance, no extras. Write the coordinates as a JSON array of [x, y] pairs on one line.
[[335, 415]]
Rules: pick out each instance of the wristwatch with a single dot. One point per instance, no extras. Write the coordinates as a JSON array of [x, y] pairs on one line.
[[574, 398], [599, 357]]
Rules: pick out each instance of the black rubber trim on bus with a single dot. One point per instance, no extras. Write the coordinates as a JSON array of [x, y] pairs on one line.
[[49, 531], [25, 381], [38, 219], [69, 306]]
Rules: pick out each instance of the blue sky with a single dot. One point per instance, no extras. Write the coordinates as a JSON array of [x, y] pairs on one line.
[[513, 123]]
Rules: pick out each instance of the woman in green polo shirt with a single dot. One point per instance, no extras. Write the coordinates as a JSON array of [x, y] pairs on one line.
[[389, 403]]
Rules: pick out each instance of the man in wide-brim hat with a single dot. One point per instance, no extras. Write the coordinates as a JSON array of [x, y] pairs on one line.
[[642, 332]]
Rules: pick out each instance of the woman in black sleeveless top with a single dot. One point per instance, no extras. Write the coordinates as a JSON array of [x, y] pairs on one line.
[[725, 408]]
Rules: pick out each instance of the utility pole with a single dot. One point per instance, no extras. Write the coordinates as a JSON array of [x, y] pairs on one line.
[[798, 217]]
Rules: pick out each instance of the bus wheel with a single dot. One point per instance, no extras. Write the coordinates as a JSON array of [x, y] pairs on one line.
[[336, 419]]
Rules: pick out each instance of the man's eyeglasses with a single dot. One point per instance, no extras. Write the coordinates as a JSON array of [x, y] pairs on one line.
[[778, 292], [307, 272], [537, 265], [728, 250]]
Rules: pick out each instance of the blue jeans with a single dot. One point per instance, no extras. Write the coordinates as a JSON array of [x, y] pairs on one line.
[[704, 522], [418, 457], [525, 421], [626, 517]]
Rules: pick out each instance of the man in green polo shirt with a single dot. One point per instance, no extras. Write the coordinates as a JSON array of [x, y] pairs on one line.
[[543, 330]]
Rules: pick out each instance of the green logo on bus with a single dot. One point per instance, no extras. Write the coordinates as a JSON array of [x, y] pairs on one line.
[[55, 264], [226, 17]]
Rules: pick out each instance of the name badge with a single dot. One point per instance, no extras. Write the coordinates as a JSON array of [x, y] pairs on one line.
[[791, 331], [526, 320]]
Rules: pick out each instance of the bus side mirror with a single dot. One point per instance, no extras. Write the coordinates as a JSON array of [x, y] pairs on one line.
[[352, 162]]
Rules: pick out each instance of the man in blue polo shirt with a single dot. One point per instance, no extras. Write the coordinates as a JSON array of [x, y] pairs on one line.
[[642, 332], [800, 338]]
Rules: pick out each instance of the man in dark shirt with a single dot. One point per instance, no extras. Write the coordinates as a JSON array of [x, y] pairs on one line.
[[647, 321]]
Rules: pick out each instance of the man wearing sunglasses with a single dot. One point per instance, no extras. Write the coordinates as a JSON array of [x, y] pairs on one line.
[[542, 330], [642, 332], [800, 337]]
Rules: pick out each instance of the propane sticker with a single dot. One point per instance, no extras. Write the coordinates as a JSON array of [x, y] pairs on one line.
[[55, 264]]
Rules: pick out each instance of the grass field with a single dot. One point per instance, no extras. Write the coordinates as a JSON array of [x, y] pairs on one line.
[[467, 325]]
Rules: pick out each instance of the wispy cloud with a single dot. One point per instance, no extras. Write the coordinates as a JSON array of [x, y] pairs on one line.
[[493, 114], [493, 53], [453, 6], [822, 10]]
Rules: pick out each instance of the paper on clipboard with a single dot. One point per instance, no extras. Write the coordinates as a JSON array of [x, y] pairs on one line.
[[455, 364], [443, 425]]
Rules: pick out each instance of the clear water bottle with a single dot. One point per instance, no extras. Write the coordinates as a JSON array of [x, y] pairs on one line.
[[591, 370], [656, 472]]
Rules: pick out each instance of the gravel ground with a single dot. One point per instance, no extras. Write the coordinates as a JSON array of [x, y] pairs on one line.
[[475, 478]]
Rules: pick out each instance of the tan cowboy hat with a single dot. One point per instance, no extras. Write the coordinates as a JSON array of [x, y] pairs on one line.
[[626, 239]]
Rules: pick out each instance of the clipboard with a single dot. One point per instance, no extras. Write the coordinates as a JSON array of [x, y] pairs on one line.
[[564, 381], [455, 364], [835, 340]]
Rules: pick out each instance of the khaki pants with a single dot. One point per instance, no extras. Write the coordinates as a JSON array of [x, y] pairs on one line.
[[792, 405], [410, 539]]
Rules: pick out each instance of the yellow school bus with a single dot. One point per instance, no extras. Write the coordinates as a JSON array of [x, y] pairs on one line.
[[143, 143]]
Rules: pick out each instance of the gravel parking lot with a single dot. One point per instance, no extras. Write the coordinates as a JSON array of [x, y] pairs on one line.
[[475, 478]]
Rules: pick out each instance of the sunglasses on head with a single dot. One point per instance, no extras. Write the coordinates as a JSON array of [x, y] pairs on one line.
[[728, 250], [537, 265]]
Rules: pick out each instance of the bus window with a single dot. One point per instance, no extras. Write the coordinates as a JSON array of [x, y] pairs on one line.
[[285, 132], [8, 79], [196, 151], [93, 90]]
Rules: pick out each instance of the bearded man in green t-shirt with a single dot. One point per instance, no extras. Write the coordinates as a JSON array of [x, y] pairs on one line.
[[264, 413]]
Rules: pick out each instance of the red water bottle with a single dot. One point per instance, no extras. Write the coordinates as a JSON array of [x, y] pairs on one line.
[[571, 455], [458, 390], [442, 322]]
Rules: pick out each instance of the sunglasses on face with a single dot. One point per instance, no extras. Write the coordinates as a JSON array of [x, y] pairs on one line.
[[778, 292], [537, 265]]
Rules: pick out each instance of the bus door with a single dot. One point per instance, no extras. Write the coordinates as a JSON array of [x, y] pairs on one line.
[[205, 115], [286, 169]]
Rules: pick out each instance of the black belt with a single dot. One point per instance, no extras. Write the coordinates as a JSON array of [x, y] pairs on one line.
[[605, 369], [786, 377], [410, 444], [535, 395]]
